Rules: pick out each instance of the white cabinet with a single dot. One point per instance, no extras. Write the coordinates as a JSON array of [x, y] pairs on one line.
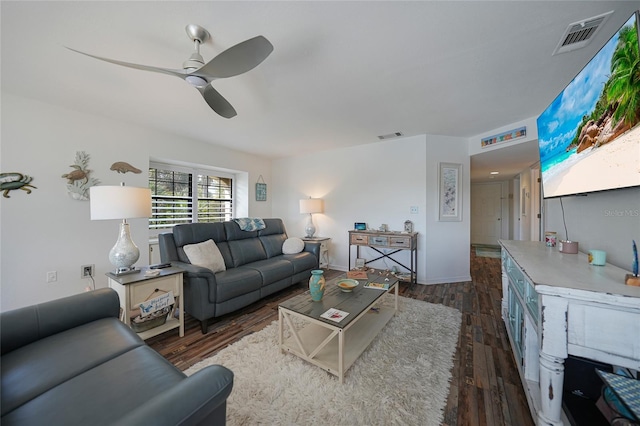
[[556, 304]]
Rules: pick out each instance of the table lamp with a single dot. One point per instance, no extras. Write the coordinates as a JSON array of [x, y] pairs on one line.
[[310, 206], [121, 202]]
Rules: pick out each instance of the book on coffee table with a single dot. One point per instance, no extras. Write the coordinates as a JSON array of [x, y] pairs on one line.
[[377, 286], [357, 275], [334, 314]]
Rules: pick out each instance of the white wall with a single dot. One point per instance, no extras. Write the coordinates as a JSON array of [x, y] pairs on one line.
[[607, 220], [377, 183], [47, 230]]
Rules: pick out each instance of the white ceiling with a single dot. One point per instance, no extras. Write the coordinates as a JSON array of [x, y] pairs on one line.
[[341, 74]]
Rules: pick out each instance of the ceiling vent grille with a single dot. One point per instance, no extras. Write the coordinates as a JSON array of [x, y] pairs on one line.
[[579, 34], [390, 136]]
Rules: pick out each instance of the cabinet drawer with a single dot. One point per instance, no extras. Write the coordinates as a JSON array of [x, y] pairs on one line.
[[379, 241], [516, 277], [359, 239], [141, 291], [400, 242], [516, 324]]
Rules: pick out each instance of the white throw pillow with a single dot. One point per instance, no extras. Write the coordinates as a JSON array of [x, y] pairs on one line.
[[205, 254], [292, 245]]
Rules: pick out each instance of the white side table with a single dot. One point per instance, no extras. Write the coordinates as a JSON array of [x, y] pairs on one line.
[[324, 248], [135, 288]]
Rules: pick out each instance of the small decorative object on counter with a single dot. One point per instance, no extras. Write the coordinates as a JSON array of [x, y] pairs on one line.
[[550, 238], [316, 285], [597, 257], [408, 226], [633, 279]]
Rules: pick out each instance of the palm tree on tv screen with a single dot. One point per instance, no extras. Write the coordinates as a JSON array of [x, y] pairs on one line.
[[624, 84]]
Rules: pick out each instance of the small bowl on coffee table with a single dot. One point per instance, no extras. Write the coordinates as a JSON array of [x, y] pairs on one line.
[[347, 285]]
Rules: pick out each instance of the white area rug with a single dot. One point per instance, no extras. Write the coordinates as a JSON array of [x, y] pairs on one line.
[[401, 379]]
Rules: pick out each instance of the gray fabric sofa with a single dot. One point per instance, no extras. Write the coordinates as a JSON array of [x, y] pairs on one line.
[[72, 362], [255, 266]]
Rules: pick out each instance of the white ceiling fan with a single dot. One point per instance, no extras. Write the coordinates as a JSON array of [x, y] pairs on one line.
[[234, 61]]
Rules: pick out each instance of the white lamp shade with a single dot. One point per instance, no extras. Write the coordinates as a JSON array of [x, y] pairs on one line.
[[311, 205], [119, 202]]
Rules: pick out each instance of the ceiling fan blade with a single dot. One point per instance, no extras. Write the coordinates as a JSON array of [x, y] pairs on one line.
[[217, 102], [237, 59], [178, 73]]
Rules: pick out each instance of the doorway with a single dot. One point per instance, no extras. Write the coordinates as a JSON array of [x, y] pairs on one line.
[[487, 213]]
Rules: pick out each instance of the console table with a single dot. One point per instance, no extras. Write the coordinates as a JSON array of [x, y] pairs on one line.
[[556, 304], [396, 241]]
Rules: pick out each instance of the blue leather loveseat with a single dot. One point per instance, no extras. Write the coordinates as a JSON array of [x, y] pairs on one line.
[[255, 265], [72, 362]]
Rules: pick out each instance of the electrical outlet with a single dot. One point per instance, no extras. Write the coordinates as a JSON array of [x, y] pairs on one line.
[[413, 210], [52, 276], [87, 271]]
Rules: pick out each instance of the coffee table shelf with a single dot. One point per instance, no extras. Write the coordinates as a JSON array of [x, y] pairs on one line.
[[331, 346]]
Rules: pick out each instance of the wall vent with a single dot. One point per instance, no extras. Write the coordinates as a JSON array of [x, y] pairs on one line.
[[579, 34], [390, 136]]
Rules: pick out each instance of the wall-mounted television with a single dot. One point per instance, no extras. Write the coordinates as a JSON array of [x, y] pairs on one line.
[[589, 137]]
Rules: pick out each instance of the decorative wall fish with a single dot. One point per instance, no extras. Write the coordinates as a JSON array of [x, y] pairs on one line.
[[122, 167]]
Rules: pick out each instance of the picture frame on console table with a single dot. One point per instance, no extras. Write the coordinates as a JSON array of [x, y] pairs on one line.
[[449, 192]]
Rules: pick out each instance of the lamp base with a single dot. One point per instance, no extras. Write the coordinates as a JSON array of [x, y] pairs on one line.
[[310, 229], [125, 253], [119, 272]]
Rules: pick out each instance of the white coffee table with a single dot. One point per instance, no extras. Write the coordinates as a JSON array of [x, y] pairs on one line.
[[333, 346]]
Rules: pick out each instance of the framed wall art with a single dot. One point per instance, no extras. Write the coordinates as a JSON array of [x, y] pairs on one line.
[[504, 137], [450, 192], [261, 190]]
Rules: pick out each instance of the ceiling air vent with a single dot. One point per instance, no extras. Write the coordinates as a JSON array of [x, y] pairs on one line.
[[579, 34], [390, 136]]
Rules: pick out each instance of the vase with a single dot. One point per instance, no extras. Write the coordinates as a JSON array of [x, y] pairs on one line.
[[316, 285]]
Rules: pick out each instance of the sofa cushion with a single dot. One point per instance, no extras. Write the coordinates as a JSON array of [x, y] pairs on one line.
[[292, 245], [28, 373], [103, 394], [246, 251], [273, 226], [272, 270], [194, 233], [205, 254], [301, 262], [273, 244], [235, 282]]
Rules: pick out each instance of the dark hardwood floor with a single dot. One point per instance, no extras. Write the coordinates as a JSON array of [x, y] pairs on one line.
[[485, 386]]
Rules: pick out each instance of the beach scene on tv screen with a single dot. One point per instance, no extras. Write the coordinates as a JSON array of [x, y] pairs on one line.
[[589, 137]]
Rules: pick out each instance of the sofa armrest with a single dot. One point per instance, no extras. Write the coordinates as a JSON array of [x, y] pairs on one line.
[[23, 326], [195, 270], [313, 248], [190, 402], [167, 245]]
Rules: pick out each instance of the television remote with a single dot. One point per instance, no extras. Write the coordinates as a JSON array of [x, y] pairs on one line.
[[160, 266]]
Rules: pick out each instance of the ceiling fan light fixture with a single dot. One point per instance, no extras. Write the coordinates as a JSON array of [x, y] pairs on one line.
[[196, 81], [233, 61]]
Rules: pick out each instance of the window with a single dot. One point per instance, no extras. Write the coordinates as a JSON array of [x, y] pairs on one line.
[[176, 190]]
